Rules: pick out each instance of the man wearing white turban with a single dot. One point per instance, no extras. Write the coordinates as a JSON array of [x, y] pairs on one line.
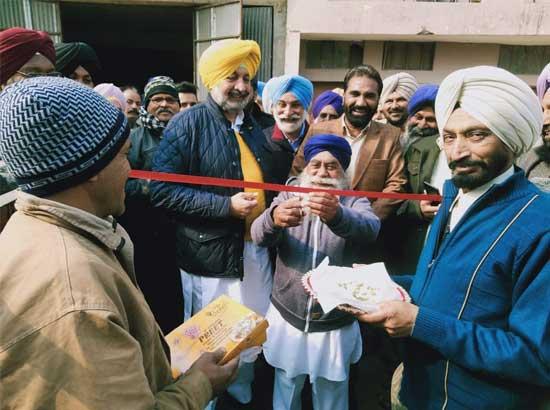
[[394, 100], [476, 330]]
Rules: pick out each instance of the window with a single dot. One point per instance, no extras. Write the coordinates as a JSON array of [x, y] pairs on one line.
[[333, 54], [524, 59], [408, 56]]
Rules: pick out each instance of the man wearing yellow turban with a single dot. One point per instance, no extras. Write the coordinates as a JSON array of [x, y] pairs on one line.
[[219, 138]]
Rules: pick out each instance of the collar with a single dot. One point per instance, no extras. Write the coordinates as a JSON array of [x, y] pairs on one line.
[[239, 120], [278, 135], [345, 128], [471, 196], [106, 230]]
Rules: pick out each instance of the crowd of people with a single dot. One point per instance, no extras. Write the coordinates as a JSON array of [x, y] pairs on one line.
[[96, 267]]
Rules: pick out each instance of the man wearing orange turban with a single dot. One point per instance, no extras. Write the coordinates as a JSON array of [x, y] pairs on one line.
[[219, 138]]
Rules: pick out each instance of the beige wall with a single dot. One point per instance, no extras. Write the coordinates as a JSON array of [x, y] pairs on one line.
[[448, 58]]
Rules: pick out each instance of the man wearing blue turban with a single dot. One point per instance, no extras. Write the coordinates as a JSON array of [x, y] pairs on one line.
[[304, 230], [288, 98], [327, 106]]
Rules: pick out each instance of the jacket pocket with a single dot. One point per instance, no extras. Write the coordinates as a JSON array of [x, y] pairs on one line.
[[204, 253]]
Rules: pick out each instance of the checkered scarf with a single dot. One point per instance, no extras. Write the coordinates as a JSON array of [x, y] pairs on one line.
[[149, 121]]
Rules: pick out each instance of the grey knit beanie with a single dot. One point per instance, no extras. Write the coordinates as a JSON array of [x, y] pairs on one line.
[[56, 133]]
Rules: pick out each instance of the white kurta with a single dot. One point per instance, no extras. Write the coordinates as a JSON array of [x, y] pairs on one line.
[[318, 354]]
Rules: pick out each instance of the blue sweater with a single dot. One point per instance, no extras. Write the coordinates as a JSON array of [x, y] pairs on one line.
[[482, 336]]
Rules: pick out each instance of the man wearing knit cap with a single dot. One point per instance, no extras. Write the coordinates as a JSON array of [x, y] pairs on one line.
[[219, 138], [76, 330], [327, 106], [396, 93], [302, 340], [475, 333], [23, 53], [77, 61], [151, 230], [288, 98]]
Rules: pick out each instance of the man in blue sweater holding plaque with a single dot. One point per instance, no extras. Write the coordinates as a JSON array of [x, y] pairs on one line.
[[477, 331]]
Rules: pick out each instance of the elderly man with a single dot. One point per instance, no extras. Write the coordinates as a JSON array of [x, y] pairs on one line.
[[218, 138], [150, 228], [396, 93], [298, 328], [327, 106], [427, 170], [76, 331], [476, 330], [288, 98], [23, 53], [377, 160], [536, 162], [77, 61], [133, 104]]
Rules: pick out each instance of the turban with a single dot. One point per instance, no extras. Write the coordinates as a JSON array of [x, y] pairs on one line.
[[157, 85], [402, 83], [543, 82], [112, 93], [337, 146], [496, 98], [56, 133], [72, 55], [260, 87], [423, 97], [222, 59], [18, 45], [328, 98], [274, 89]]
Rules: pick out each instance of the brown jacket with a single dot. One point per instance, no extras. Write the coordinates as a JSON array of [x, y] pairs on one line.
[[380, 164], [76, 332]]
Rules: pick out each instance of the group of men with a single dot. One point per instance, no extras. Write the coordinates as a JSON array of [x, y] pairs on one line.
[[77, 331]]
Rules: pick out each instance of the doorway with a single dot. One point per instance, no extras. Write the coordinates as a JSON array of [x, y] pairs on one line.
[[133, 43]]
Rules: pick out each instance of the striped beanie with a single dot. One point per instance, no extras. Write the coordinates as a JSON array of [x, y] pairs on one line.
[[56, 133], [158, 85]]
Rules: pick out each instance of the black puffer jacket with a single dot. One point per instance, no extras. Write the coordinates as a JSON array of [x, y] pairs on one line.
[[200, 141]]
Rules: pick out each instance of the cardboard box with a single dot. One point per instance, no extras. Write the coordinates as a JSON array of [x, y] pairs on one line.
[[224, 323]]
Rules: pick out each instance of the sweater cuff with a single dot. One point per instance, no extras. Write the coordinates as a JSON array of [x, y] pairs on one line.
[[429, 327], [197, 384]]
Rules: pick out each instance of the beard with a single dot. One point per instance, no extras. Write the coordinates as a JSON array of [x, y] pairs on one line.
[[475, 179], [358, 116], [290, 124], [399, 122], [227, 104], [416, 132], [308, 181]]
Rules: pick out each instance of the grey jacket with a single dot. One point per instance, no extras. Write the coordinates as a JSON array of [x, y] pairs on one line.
[[303, 248]]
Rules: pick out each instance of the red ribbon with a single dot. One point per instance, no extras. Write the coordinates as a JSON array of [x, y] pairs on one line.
[[237, 183]]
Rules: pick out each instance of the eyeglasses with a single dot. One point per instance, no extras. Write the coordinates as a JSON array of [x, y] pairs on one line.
[[32, 75], [168, 100]]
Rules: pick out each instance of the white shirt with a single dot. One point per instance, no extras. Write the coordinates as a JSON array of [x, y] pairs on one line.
[[355, 143], [441, 171], [239, 119], [464, 201]]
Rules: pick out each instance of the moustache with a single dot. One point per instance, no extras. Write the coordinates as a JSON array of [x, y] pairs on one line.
[[237, 94], [292, 118], [164, 110], [466, 163], [133, 112]]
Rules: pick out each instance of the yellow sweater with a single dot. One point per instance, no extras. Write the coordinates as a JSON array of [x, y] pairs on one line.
[[253, 173]]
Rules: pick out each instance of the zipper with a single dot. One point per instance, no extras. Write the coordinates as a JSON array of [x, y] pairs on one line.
[[316, 233], [470, 284]]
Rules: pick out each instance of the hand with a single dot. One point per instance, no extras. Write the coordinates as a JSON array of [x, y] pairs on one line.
[[396, 317], [288, 213], [324, 205], [242, 204], [220, 376], [428, 210]]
